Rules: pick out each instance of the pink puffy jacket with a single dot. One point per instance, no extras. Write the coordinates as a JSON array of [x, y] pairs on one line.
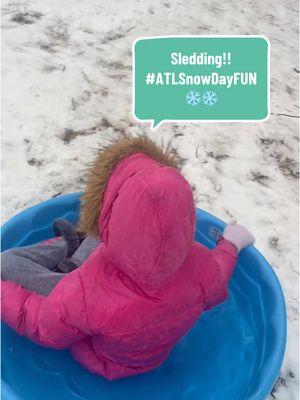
[[141, 289]]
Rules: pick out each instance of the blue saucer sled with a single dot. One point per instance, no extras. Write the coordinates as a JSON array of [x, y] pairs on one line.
[[234, 352]]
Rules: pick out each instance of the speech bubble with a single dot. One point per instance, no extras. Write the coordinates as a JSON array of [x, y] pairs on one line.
[[200, 78]]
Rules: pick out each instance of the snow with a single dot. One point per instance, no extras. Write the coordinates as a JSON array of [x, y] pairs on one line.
[[67, 90]]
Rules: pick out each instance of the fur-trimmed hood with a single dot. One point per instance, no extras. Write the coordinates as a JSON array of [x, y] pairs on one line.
[[106, 161], [143, 210]]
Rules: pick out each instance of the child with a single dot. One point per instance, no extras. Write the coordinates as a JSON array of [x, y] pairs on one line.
[[129, 298]]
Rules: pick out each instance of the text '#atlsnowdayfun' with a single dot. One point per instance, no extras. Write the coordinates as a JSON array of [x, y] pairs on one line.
[[201, 78]]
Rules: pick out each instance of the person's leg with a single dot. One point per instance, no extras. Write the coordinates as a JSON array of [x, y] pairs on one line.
[[84, 250], [48, 254], [23, 269], [54, 254], [79, 256], [40, 267]]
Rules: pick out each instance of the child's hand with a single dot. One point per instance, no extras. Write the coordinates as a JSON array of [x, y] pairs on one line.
[[238, 235]]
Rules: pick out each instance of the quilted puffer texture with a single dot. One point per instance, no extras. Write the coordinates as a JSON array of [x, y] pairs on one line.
[[123, 310]]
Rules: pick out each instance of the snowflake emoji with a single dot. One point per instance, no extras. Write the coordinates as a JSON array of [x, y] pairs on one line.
[[193, 98], [209, 98]]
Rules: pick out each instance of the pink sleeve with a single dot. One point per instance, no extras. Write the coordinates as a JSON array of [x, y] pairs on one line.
[[224, 256], [49, 321]]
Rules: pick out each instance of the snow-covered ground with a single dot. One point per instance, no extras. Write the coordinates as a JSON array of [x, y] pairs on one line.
[[67, 89]]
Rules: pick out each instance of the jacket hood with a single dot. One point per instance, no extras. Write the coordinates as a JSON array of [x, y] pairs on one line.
[[146, 219]]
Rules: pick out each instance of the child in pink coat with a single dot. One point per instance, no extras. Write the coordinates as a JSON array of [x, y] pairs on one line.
[[145, 284]]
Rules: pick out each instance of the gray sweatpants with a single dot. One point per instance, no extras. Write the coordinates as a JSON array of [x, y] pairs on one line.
[[33, 267]]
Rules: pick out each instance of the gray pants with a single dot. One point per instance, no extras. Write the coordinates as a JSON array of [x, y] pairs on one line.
[[33, 267]]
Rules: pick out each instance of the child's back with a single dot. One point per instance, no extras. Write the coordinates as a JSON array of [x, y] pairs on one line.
[[135, 330]]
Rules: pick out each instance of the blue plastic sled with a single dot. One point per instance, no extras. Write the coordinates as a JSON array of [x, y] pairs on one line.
[[234, 352]]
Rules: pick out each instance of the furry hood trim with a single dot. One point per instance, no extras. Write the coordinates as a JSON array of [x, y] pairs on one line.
[[100, 171]]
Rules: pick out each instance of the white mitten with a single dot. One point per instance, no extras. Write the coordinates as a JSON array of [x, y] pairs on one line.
[[238, 235]]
